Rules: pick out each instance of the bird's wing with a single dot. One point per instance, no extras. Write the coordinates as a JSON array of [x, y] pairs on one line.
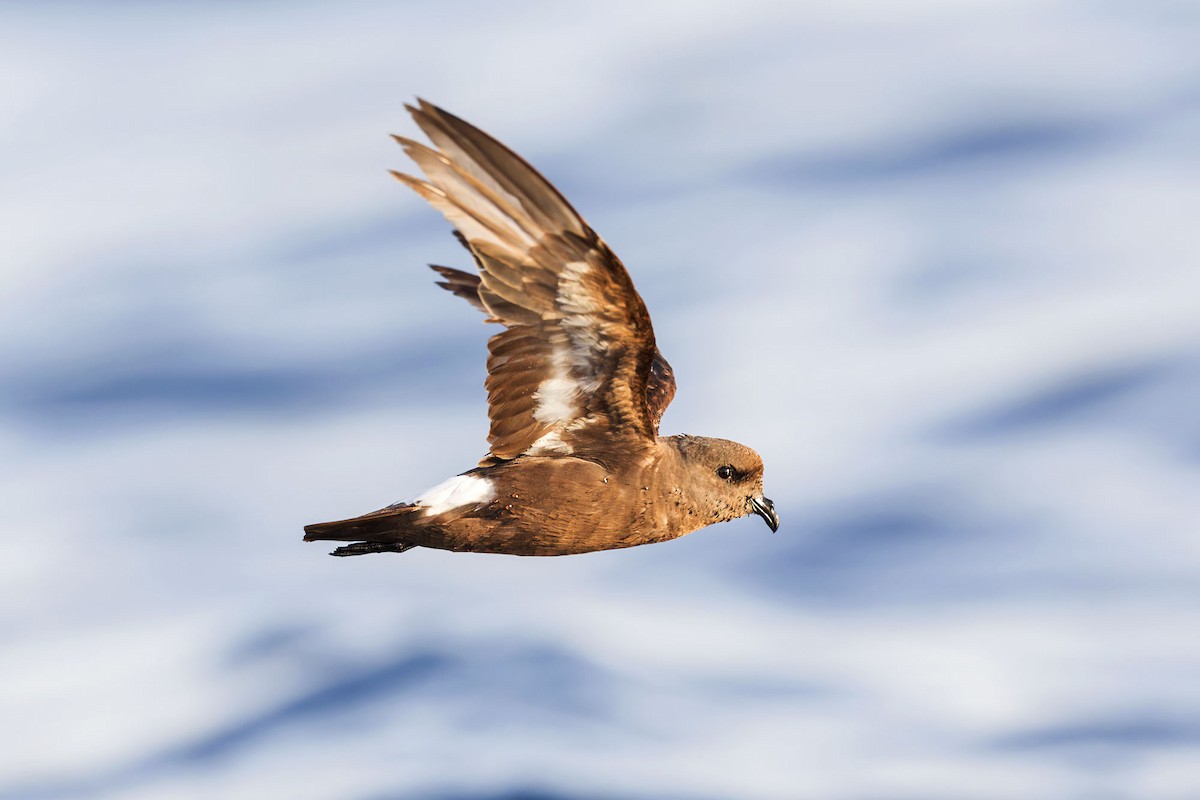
[[576, 360], [660, 384]]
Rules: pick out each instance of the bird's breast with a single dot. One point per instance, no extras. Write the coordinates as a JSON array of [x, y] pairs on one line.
[[557, 506]]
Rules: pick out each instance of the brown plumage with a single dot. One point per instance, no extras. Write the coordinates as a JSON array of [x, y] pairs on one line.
[[576, 385]]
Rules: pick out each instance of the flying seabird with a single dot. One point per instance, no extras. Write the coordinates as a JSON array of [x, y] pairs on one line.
[[576, 385]]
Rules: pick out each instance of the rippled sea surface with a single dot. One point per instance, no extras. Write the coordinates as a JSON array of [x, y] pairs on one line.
[[937, 262]]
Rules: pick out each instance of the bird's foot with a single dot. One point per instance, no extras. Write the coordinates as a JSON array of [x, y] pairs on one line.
[[363, 548]]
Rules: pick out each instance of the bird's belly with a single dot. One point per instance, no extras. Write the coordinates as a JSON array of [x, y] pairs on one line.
[[563, 507]]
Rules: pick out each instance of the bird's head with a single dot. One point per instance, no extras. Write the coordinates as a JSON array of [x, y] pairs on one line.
[[724, 479]]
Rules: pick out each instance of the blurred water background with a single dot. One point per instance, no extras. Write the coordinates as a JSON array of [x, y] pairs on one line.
[[936, 261]]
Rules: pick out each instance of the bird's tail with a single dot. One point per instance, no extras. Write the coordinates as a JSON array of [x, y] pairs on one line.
[[390, 530]]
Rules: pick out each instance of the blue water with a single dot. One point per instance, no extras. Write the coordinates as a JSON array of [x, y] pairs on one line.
[[937, 264]]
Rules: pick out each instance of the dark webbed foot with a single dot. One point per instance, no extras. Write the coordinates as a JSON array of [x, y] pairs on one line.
[[363, 548]]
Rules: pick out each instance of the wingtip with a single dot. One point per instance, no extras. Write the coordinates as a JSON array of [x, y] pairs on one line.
[[423, 109], [423, 188]]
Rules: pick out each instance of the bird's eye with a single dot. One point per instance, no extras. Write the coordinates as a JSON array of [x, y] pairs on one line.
[[726, 473]]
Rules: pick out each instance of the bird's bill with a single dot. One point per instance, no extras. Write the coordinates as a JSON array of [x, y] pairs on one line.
[[766, 509]]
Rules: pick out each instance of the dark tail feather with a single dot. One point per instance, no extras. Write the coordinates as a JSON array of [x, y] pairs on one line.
[[385, 531]]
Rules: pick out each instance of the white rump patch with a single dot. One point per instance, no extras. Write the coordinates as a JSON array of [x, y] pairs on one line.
[[458, 492]]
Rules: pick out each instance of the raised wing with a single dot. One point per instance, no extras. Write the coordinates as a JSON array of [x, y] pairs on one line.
[[660, 384], [574, 366]]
